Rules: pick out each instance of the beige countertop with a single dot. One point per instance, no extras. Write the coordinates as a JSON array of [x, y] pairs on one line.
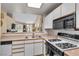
[[73, 52], [13, 38], [20, 36]]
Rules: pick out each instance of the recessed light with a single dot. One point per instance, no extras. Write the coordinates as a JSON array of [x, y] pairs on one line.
[[35, 5]]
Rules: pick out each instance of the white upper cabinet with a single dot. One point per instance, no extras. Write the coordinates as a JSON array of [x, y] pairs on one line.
[[53, 15], [77, 16], [48, 21], [57, 12], [68, 8]]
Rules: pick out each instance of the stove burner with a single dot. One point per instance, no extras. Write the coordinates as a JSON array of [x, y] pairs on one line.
[[66, 45], [54, 40]]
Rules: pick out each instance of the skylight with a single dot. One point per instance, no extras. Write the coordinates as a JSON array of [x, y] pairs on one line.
[[34, 5]]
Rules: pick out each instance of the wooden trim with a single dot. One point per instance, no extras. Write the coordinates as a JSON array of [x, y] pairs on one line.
[[18, 44], [17, 52], [29, 43], [64, 16], [19, 40], [38, 42], [34, 42], [18, 48], [34, 39], [39, 55], [66, 54]]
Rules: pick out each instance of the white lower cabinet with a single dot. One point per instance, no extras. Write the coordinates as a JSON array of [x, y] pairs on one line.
[[33, 48], [29, 49], [6, 50], [38, 48]]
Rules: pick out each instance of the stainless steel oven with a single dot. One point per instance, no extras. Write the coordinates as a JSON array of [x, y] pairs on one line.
[[51, 50]]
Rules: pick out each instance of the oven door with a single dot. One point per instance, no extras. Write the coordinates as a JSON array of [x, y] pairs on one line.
[[52, 50], [49, 50]]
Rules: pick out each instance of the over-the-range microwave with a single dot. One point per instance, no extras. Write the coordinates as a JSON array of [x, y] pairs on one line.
[[66, 22]]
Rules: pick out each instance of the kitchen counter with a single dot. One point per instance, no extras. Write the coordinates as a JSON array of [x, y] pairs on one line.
[[73, 52], [13, 38], [19, 36]]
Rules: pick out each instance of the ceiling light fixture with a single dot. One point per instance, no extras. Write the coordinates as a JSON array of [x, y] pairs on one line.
[[35, 5]]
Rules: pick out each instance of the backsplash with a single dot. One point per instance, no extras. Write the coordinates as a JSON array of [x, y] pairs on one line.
[[54, 32]]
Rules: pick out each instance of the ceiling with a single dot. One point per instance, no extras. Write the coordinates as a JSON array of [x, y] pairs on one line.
[[23, 8]]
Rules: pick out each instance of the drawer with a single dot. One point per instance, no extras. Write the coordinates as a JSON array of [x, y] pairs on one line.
[[18, 46], [17, 50], [18, 54], [18, 42]]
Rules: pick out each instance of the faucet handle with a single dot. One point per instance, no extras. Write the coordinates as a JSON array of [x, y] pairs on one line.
[[39, 36]]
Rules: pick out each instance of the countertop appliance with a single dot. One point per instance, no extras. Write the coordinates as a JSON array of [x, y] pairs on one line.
[[58, 46]]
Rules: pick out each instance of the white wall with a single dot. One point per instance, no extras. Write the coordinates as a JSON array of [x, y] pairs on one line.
[[54, 32], [25, 18]]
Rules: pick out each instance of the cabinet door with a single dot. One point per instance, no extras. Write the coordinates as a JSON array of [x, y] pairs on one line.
[[77, 16], [57, 12], [38, 48], [48, 21], [6, 50], [29, 49], [68, 8], [53, 15]]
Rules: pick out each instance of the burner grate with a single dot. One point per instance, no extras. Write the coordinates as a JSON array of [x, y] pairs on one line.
[[66, 45], [54, 40]]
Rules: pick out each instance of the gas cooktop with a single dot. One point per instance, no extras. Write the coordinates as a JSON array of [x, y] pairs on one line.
[[54, 40], [65, 45]]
